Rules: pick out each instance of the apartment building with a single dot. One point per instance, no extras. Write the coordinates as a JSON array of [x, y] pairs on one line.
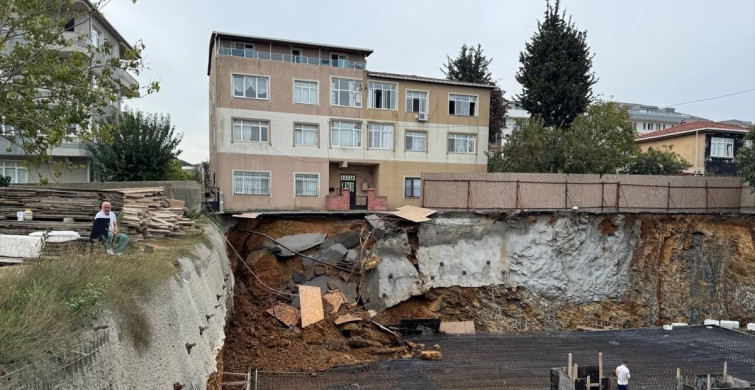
[[72, 155], [646, 118], [306, 126]]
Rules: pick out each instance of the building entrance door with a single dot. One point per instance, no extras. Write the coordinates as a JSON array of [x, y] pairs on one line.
[[350, 182]]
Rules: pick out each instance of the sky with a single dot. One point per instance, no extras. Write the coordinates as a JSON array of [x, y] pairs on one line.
[[656, 52]]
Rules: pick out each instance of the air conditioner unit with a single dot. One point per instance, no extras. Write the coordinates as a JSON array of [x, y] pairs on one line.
[[422, 117]]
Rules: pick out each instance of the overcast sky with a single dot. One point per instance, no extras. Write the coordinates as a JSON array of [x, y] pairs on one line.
[[655, 52]]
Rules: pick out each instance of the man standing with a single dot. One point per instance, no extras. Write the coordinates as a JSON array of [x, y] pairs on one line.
[[622, 373], [112, 230]]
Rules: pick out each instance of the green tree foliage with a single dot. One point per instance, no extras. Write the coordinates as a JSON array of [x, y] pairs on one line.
[[601, 140], [657, 162], [136, 147], [51, 79], [745, 159], [555, 71], [176, 172], [471, 66]]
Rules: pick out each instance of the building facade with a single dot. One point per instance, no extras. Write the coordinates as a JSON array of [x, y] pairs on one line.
[[646, 118], [71, 157], [709, 146], [299, 125]]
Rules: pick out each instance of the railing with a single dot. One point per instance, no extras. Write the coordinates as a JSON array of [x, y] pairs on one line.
[[264, 55]]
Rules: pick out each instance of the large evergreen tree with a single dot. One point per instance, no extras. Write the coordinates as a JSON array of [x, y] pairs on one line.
[[555, 71], [135, 147], [471, 65]]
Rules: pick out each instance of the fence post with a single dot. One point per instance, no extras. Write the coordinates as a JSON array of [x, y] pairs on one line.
[[618, 189], [469, 194], [566, 193], [706, 196], [668, 197], [602, 195], [518, 206]]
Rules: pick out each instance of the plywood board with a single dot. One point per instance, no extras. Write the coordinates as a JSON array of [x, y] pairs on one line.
[[310, 300], [176, 203], [348, 317], [286, 314], [335, 299], [413, 213], [457, 327]]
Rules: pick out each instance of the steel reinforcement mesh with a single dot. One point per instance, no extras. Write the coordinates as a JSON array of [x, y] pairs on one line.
[[523, 360]]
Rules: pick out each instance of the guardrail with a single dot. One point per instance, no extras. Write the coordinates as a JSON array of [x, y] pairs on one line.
[[264, 55]]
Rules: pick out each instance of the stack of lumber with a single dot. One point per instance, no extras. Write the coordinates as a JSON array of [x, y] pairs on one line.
[[148, 214], [56, 203]]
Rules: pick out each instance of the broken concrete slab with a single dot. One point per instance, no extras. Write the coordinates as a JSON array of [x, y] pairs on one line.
[[311, 305], [335, 299], [326, 283], [457, 327], [348, 317], [353, 255], [286, 314], [24, 247], [329, 255], [298, 277], [347, 239], [319, 271], [298, 243]]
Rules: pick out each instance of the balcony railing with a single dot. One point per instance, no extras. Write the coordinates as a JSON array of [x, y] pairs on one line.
[[264, 55]]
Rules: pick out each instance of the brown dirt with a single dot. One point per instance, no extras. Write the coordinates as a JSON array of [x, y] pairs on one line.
[[255, 339]]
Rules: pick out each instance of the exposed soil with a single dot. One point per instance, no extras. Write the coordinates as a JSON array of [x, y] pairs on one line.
[[686, 268]]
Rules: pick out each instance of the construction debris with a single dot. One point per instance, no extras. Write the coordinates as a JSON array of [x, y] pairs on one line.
[[310, 300], [288, 245], [457, 327], [335, 299], [413, 213], [286, 314], [148, 214], [431, 355], [348, 317]]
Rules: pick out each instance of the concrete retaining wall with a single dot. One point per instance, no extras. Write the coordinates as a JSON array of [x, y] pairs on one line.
[[634, 193]]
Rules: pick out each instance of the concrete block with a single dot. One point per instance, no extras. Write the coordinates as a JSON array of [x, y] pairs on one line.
[[667, 327], [58, 236], [751, 327], [25, 247], [298, 243], [709, 321], [730, 324]]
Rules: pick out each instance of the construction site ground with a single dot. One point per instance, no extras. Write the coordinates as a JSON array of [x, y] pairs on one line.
[[523, 360]]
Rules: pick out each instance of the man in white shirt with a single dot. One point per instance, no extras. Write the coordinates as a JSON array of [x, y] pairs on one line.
[[622, 373], [112, 230]]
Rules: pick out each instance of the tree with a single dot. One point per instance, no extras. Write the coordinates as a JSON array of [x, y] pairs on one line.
[[471, 66], [135, 147], [600, 140], [745, 159], [52, 78], [657, 162], [555, 71]]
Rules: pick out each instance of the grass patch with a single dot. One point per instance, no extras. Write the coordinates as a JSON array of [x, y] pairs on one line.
[[47, 303]]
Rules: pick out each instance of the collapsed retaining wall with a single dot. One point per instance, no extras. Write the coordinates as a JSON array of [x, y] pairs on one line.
[[652, 267]]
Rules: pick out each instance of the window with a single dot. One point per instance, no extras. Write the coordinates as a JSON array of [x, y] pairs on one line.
[[346, 92], [339, 60], [253, 87], [412, 187], [96, 34], [346, 134], [307, 184], [250, 131], [461, 143], [748, 143], [416, 101], [305, 134], [7, 129], [297, 54], [381, 95], [242, 46], [15, 170], [70, 25], [462, 105], [381, 136], [415, 141], [251, 183], [305, 92], [657, 126], [722, 147]]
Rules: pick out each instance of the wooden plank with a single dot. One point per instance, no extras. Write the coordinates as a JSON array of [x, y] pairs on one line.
[[310, 300]]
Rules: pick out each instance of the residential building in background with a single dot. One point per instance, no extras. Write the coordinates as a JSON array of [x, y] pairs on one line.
[[73, 155], [709, 146], [647, 118], [514, 112], [300, 125]]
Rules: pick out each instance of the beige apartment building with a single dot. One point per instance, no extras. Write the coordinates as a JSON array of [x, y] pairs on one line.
[[305, 126]]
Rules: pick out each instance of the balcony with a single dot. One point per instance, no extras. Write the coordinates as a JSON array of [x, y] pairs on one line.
[[263, 55]]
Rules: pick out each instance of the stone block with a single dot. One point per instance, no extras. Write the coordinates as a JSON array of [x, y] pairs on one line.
[[25, 247]]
